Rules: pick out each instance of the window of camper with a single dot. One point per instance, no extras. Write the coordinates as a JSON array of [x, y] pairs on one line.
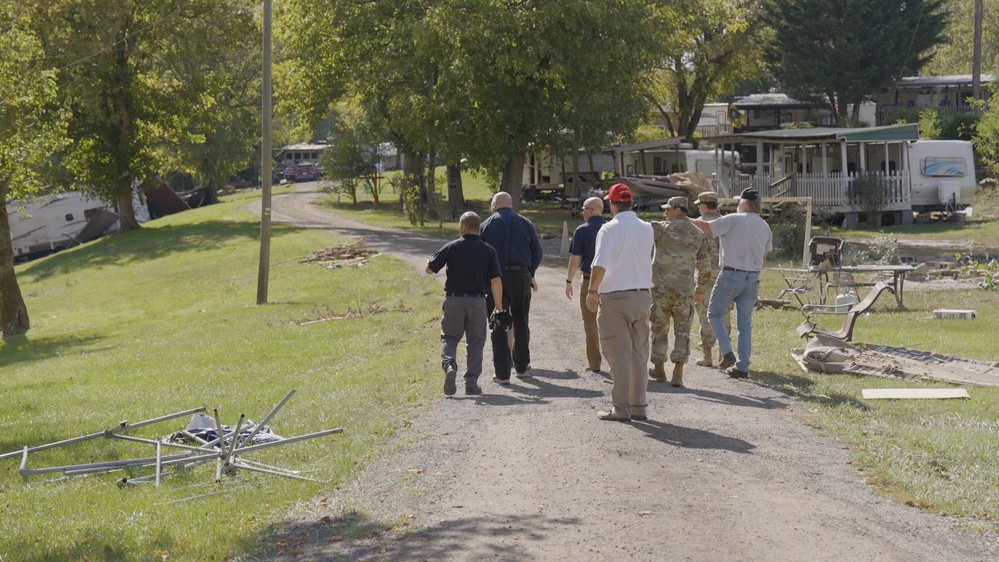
[[69, 217], [945, 166]]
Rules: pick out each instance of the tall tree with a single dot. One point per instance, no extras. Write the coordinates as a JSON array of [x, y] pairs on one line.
[[842, 50], [126, 76], [484, 80], [33, 128], [711, 47], [953, 56]]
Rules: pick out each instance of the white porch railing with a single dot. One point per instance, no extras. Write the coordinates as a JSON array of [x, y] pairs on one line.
[[828, 190]]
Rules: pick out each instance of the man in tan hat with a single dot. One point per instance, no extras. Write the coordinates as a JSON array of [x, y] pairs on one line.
[[707, 205], [681, 248]]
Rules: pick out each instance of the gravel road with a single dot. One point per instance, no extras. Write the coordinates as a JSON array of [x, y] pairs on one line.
[[723, 469]]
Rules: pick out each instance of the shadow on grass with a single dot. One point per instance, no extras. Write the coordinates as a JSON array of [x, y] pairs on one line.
[[690, 438], [355, 536], [804, 389], [23, 348], [148, 244]]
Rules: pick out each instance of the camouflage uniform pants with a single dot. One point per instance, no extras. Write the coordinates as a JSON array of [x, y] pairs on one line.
[[679, 309], [707, 335]]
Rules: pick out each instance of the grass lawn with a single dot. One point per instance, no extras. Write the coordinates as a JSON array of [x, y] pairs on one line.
[[157, 321]]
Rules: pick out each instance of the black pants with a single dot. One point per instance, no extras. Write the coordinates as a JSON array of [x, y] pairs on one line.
[[517, 300]]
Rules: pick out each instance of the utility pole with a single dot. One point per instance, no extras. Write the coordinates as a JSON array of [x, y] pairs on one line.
[[265, 163], [976, 65]]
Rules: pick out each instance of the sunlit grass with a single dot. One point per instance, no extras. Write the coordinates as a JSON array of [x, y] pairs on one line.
[[938, 455], [148, 323]]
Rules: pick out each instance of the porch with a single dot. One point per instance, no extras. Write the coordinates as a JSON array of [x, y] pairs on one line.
[[827, 190]]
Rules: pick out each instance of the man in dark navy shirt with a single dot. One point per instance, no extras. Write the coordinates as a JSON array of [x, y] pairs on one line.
[[519, 251], [584, 244], [473, 271]]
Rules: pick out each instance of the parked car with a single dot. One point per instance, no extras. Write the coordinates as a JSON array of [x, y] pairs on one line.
[[305, 171]]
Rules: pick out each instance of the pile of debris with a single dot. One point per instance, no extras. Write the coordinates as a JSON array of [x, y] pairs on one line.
[[204, 440], [345, 255], [830, 355]]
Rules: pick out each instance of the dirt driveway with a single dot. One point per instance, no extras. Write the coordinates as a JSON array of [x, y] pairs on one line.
[[723, 470]]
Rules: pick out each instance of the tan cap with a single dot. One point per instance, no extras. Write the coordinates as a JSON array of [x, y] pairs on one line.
[[707, 197], [676, 202]]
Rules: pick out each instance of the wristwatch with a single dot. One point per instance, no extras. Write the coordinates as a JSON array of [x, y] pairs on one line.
[[569, 281], [592, 293]]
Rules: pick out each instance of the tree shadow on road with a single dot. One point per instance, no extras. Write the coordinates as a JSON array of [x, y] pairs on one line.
[[355, 536]]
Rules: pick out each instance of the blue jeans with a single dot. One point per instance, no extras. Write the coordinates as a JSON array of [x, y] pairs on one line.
[[741, 288]]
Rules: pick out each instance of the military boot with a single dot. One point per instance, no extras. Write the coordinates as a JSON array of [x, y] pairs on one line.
[[706, 362], [677, 374], [658, 373]]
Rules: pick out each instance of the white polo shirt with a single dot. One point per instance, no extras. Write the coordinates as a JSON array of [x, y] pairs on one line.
[[624, 250], [745, 239]]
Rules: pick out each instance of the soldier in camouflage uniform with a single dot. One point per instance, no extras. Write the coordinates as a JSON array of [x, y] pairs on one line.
[[707, 204], [680, 249]]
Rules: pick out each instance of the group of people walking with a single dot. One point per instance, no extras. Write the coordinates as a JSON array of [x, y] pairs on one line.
[[638, 279]]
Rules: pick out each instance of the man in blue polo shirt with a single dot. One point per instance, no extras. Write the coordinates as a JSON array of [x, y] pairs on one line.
[[584, 245], [473, 271]]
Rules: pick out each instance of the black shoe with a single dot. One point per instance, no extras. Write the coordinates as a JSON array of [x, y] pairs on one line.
[[727, 361], [640, 418], [472, 389], [449, 377], [737, 374]]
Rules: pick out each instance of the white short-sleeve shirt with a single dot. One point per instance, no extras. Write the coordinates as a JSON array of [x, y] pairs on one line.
[[624, 250]]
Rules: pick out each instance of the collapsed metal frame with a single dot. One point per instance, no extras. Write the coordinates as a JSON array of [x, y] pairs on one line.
[[225, 450]]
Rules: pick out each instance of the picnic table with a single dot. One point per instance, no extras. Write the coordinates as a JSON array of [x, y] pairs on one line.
[[897, 272]]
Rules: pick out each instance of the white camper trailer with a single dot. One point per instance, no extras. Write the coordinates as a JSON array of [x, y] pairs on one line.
[[49, 223], [942, 175]]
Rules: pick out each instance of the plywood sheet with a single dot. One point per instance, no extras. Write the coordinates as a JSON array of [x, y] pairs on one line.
[[914, 393]]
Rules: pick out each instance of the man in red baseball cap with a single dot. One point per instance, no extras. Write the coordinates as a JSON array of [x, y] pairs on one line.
[[621, 286]]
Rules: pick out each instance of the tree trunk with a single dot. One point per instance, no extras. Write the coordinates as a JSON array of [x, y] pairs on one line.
[[513, 178], [412, 169], [13, 312], [575, 164], [126, 211], [455, 191]]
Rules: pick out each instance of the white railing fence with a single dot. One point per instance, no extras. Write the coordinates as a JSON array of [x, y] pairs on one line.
[[826, 189]]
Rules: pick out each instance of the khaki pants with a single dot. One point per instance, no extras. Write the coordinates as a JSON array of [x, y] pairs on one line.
[[590, 328], [623, 320]]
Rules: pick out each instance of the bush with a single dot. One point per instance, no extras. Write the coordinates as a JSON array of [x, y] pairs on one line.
[[869, 191], [788, 229]]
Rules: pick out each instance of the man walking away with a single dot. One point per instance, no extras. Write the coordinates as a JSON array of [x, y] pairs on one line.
[[519, 250], [584, 245], [473, 271], [745, 242], [620, 285], [707, 205], [680, 249]]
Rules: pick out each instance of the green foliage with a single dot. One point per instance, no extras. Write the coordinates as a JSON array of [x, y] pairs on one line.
[[789, 231], [823, 48], [151, 85], [986, 141], [885, 249], [479, 81], [935, 124], [929, 124], [954, 56], [705, 48], [869, 191]]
